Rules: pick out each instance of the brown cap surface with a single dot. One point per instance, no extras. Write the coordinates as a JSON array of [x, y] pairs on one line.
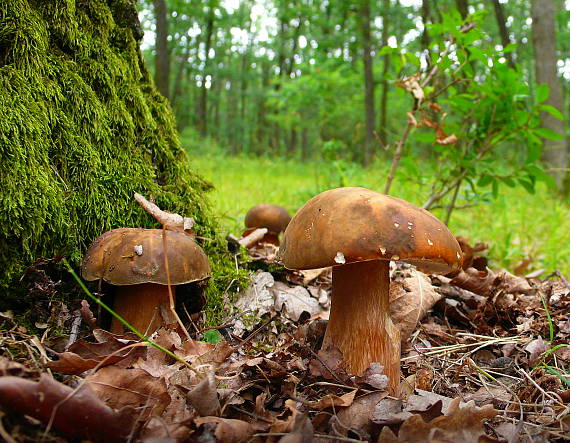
[[347, 225], [130, 256], [275, 218]]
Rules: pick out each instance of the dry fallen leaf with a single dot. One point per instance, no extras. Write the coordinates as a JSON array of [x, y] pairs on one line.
[[204, 397], [460, 424], [488, 282], [302, 431], [227, 430], [82, 356], [119, 387], [536, 348], [375, 377], [358, 415], [330, 400], [293, 301], [410, 300], [76, 414]]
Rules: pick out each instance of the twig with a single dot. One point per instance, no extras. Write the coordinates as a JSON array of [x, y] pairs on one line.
[[253, 237], [410, 124], [170, 294], [172, 222], [397, 157], [558, 274], [452, 203], [253, 334], [537, 386]]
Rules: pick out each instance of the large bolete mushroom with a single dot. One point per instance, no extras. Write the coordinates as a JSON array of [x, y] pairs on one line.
[[132, 259], [274, 218], [358, 232]]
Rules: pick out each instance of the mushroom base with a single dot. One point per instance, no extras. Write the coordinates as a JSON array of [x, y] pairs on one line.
[[140, 306], [360, 325]]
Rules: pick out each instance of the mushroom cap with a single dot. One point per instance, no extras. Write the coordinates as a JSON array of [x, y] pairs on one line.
[[274, 218], [347, 225], [131, 256]]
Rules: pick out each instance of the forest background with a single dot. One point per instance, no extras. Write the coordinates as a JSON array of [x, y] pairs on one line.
[[460, 106]]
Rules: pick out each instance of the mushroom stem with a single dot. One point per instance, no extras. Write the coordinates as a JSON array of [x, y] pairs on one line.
[[139, 305], [360, 325]]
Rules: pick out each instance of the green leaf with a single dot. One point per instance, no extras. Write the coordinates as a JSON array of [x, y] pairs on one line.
[[424, 137], [528, 185], [548, 134], [508, 181], [542, 92], [213, 336], [534, 151], [510, 47], [485, 180], [386, 50], [552, 111], [539, 174], [412, 58]]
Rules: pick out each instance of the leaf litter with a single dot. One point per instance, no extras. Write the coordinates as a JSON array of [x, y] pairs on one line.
[[485, 356]]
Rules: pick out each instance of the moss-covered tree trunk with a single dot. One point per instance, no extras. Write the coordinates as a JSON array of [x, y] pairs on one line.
[[81, 129]]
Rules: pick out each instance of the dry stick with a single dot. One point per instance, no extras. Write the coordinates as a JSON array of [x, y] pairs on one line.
[[451, 206], [398, 154], [397, 157], [170, 296], [410, 125], [172, 222], [253, 238]]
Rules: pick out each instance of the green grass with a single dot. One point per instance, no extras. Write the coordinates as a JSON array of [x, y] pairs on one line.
[[515, 224]]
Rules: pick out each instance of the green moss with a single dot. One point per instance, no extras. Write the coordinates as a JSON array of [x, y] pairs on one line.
[[81, 129]]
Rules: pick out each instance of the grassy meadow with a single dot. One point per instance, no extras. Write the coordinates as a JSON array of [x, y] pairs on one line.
[[516, 225]]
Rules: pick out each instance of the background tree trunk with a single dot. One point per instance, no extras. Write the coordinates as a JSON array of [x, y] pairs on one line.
[[503, 32], [203, 105], [368, 80], [162, 57], [385, 69], [555, 153]]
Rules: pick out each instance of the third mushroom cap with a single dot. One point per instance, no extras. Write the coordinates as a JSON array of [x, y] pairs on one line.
[[358, 231]]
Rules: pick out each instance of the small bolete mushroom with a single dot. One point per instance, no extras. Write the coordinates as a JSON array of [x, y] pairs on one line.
[[274, 218], [358, 232], [133, 260]]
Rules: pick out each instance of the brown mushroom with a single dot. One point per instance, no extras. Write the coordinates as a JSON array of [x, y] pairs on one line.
[[274, 218], [358, 231], [133, 260]]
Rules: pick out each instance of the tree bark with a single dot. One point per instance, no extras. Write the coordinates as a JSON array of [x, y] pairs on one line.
[[162, 56], [555, 153], [503, 31], [368, 80]]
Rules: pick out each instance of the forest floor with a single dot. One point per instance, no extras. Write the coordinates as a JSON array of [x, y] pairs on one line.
[[485, 352], [485, 358]]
